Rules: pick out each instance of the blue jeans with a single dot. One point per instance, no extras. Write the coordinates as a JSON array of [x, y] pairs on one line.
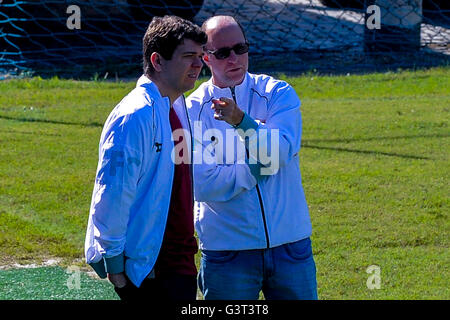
[[286, 272]]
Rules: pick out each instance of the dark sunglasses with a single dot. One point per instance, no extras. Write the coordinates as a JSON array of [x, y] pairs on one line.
[[224, 53]]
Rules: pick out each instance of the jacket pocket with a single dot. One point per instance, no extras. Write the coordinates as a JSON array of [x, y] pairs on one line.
[[299, 250], [220, 256]]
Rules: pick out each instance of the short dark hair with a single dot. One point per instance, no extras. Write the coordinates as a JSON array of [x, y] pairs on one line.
[[165, 34]]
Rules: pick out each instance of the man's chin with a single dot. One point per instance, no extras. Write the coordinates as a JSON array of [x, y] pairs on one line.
[[237, 78], [189, 86], [228, 79]]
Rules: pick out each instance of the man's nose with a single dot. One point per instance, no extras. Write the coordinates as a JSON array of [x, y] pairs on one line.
[[198, 63], [233, 57]]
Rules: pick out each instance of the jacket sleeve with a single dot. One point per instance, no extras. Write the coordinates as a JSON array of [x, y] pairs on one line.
[[215, 181], [114, 192], [274, 143]]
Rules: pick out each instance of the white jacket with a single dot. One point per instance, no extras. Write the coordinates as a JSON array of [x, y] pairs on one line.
[[131, 197], [237, 207]]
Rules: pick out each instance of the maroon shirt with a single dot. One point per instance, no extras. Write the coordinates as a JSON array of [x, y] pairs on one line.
[[179, 244]]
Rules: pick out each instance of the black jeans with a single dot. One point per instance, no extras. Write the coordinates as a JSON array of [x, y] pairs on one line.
[[174, 287]]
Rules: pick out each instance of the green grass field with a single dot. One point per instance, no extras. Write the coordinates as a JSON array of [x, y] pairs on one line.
[[374, 161]]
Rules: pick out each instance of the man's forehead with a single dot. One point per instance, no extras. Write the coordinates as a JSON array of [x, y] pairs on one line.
[[219, 24], [225, 33], [189, 45]]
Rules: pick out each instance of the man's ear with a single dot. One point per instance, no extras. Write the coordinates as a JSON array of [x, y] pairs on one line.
[[155, 60], [206, 59]]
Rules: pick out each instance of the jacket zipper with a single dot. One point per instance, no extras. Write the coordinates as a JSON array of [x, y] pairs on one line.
[[257, 186], [191, 148]]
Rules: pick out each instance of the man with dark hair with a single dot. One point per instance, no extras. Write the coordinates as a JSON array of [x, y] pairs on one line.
[[252, 218], [140, 231], [164, 35]]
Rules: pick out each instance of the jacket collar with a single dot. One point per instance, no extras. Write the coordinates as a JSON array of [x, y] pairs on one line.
[[178, 104], [240, 89], [145, 82]]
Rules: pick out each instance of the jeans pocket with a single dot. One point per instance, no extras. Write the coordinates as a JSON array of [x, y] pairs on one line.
[[299, 250], [221, 256]]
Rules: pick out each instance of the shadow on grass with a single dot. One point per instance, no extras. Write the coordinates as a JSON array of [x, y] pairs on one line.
[[306, 143], [367, 152], [445, 135], [92, 124], [30, 133]]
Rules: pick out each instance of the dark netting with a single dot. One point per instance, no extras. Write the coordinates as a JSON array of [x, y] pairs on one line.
[[81, 37]]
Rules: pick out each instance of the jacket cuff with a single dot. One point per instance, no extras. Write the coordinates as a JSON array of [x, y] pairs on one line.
[[99, 268], [247, 123], [115, 264]]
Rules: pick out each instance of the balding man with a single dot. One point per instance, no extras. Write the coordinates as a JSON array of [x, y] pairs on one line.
[[251, 215]]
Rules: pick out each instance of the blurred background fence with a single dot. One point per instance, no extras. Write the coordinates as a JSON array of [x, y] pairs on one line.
[[79, 38]]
